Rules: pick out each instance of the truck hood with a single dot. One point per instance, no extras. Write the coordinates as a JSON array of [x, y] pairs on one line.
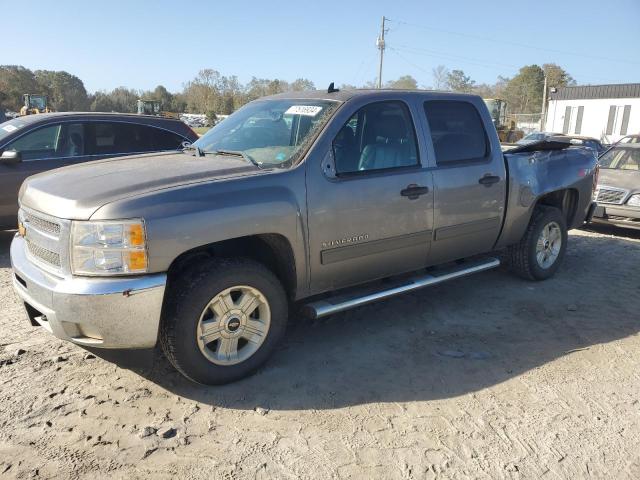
[[627, 179], [77, 191]]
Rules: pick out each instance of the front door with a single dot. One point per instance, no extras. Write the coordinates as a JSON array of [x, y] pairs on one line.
[[371, 217], [469, 179]]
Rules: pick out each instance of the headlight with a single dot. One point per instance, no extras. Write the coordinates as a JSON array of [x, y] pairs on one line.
[[634, 200], [108, 247]]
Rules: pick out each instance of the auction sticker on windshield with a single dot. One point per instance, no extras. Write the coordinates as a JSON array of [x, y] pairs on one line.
[[9, 128], [308, 110]]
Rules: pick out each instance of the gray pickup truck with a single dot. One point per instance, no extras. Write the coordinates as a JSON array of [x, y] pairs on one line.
[[322, 200]]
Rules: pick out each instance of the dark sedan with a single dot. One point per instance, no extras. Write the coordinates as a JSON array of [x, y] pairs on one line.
[[35, 143], [618, 191]]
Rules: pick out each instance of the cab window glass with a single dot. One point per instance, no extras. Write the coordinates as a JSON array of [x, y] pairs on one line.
[[379, 136], [457, 132], [55, 141]]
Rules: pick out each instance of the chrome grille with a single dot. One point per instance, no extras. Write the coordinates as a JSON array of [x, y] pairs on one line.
[[42, 224], [611, 195], [46, 240], [52, 258]]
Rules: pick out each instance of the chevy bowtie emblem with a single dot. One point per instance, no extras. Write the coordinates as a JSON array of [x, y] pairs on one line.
[[22, 231]]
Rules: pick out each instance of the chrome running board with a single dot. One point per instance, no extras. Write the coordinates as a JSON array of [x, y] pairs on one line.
[[331, 305]]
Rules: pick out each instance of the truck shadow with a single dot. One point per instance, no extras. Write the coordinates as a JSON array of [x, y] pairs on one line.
[[446, 341], [613, 230]]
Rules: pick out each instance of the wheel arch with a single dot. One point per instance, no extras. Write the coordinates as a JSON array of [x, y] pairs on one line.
[[521, 208], [272, 250], [566, 200]]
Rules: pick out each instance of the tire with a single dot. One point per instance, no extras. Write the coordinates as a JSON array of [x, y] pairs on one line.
[[205, 313], [523, 258]]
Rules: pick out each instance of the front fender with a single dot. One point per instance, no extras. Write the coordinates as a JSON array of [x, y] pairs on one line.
[[184, 218]]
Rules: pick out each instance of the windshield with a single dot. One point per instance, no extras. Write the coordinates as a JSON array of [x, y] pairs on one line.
[[271, 132], [37, 102], [623, 157], [630, 139]]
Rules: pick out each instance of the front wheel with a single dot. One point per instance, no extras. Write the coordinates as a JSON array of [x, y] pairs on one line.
[[223, 320], [540, 251]]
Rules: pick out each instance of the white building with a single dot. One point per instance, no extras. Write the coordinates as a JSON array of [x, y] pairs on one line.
[[605, 112]]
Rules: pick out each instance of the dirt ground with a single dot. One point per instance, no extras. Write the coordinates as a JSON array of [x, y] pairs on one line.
[[485, 377]]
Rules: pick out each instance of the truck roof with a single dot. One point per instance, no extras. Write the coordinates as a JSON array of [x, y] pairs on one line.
[[27, 119], [345, 95]]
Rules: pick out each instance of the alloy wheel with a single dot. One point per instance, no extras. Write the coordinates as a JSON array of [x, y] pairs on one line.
[[548, 245], [233, 325]]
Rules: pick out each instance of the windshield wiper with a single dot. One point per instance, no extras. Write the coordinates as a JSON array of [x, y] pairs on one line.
[[198, 151], [236, 153]]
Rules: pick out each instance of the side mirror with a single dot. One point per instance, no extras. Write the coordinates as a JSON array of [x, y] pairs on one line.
[[329, 164], [10, 156]]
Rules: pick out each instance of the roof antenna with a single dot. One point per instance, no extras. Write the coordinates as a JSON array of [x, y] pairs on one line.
[[332, 88]]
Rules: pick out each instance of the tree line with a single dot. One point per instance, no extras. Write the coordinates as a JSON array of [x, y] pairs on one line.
[[208, 92], [523, 92], [211, 93]]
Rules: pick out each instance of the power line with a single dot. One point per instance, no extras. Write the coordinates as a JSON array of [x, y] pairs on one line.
[[507, 42], [395, 51], [434, 53], [364, 67], [437, 54], [467, 60]]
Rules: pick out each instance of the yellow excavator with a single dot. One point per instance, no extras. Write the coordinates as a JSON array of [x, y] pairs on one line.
[[505, 126], [153, 107], [34, 104]]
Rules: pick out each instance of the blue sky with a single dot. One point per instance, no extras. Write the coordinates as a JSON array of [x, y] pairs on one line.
[[145, 43]]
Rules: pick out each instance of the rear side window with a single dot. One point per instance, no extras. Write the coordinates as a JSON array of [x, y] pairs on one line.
[[117, 138], [164, 140], [107, 138], [457, 132]]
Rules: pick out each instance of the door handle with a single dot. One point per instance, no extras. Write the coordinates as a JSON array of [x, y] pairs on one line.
[[489, 180], [413, 191]]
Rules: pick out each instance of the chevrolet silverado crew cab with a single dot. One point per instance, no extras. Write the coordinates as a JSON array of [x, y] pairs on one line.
[[324, 200]]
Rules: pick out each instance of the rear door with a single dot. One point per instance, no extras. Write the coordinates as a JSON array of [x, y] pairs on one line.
[[469, 180], [43, 148], [370, 212]]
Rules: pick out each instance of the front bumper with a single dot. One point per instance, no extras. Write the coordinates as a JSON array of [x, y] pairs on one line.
[[97, 312], [619, 215]]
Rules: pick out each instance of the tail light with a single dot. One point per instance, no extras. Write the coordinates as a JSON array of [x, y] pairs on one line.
[[594, 188]]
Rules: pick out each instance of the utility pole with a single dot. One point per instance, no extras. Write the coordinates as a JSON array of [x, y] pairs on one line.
[[380, 45], [543, 116]]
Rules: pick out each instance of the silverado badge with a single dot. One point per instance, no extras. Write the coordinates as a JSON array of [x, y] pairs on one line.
[[345, 241]]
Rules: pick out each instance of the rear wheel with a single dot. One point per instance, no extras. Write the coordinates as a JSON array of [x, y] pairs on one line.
[[540, 251], [223, 320]]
